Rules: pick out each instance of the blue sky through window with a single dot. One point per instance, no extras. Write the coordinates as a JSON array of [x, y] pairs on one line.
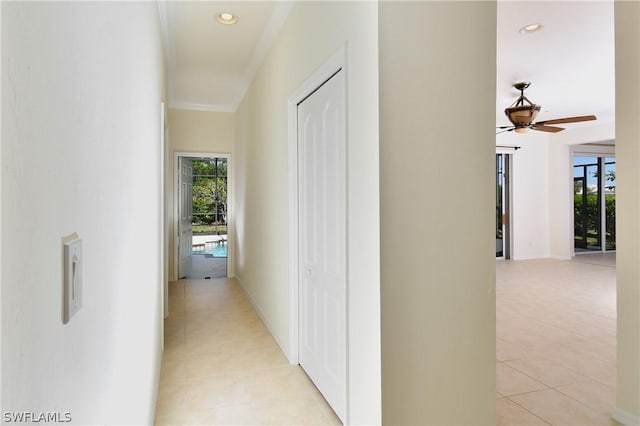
[[592, 169]]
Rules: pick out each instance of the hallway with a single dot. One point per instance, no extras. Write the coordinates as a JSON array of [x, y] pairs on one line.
[[222, 366]]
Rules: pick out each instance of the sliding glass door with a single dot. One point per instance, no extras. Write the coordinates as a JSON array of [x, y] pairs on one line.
[[610, 203], [594, 203], [502, 206]]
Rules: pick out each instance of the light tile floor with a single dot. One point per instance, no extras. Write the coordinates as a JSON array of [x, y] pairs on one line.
[[556, 341], [221, 365]]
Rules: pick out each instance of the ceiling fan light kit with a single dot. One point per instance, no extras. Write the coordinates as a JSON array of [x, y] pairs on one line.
[[522, 115], [523, 112]]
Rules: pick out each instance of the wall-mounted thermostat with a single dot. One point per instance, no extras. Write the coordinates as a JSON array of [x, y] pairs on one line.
[[72, 299]]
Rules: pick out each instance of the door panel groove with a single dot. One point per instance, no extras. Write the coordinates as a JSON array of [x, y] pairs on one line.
[[322, 239]]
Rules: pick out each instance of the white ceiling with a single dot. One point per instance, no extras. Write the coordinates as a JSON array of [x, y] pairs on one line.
[[570, 62], [210, 65]]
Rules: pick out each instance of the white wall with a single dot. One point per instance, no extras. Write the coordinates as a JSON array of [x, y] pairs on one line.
[[437, 181], [199, 132], [202, 131], [561, 209], [312, 33], [542, 188], [82, 86], [530, 189], [564, 147]]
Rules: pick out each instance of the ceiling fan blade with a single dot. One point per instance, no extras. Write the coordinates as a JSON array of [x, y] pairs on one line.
[[506, 130], [550, 129], [569, 120], [504, 127]]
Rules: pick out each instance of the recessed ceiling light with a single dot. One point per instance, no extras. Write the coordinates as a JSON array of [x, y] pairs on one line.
[[531, 28], [227, 18]]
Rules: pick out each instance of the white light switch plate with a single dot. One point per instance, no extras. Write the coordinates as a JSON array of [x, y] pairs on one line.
[[73, 262]]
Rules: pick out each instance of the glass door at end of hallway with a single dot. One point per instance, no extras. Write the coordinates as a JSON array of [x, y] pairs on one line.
[[209, 219]]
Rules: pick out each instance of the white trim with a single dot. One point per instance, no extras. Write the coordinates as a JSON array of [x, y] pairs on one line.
[[602, 193], [167, 37], [293, 230], [162, 249], [596, 151], [570, 193], [587, 150], [165, 29], [279, 15], [627, 419], [261, 314], [192, 106], [510, 224], [508, 207], [230, 204], [334, 64]]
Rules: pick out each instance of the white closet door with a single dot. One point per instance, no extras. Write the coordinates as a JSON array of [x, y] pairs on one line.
[[322, 244]]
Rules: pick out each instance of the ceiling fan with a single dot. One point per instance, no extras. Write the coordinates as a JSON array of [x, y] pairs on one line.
[[522, 112]]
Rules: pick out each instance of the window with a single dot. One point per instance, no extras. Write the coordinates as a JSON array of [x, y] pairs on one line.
[[210, 196]]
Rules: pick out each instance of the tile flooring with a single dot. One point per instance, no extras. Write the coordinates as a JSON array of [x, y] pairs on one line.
[[221, 366], [556, 341]]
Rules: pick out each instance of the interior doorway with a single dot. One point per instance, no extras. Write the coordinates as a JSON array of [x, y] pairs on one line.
[[202, 205]]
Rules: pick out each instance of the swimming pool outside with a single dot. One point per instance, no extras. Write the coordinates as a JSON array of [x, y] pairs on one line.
[[215, 245], [215, 249]]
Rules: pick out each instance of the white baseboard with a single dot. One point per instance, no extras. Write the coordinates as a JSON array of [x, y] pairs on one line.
[[262, 316], [627, 419]]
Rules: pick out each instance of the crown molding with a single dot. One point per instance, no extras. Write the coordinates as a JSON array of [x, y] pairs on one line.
[[279, 15], [192, 106], [169, 61]]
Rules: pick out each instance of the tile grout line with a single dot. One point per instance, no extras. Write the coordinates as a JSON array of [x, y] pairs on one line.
[[185, 415], [527, 410], [577, 400], [539, 299]]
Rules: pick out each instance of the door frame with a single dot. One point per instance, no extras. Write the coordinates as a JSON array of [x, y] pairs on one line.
[[163, 253], [176, 205], [334, 64], [507, 236], [603, 150]]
